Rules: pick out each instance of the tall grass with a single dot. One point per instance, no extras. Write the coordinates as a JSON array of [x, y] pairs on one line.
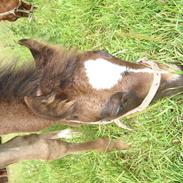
[[130, 30]]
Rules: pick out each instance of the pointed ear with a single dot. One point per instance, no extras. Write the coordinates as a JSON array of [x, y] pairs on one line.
[[58, 109], [40, 51]]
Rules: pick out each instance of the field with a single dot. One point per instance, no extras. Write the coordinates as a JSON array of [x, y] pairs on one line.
[[128, 29]]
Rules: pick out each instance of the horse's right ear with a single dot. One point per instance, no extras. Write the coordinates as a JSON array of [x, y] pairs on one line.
[[35, 47], [40, 51]]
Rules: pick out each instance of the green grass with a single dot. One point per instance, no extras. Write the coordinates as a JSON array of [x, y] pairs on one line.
[[129, 29]]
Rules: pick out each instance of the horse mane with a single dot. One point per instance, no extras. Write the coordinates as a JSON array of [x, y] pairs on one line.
[[17, 81], [57, 65]]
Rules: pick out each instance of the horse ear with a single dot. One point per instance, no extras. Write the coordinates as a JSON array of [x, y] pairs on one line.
[[40, 51], [57, 109]]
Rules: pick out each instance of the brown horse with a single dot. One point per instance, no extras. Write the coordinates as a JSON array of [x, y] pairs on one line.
[[3, 173], [67, 86], [11, 10]]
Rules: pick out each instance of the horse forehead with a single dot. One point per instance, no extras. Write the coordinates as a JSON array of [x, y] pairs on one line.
[[102, 74]]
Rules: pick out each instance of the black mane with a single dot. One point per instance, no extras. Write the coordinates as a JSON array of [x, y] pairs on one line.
[[17, 82]]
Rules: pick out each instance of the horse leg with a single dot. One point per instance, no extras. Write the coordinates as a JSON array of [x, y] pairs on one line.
[[3, 172], [46, 147], [3, 176]]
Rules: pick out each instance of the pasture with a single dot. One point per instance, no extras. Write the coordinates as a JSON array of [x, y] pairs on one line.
[[129, 30]]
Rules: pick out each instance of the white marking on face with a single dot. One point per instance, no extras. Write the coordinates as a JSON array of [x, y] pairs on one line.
[[103, 74]]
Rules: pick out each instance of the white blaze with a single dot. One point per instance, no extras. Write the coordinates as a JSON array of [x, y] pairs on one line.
[[103, 74]]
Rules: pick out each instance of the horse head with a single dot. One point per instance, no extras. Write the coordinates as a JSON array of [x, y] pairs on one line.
[[94, 85]]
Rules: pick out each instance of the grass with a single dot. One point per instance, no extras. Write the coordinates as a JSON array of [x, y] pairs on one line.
[[130, 30]]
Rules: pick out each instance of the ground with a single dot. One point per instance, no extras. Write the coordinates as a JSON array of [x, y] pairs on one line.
[[130, 30]]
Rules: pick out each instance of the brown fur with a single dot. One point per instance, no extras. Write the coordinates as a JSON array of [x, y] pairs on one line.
[[8, 5], [60, 72], [16, 83], [64, 75], [58, 91]]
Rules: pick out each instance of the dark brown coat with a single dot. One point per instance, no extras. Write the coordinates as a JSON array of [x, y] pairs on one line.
[[57, 90]]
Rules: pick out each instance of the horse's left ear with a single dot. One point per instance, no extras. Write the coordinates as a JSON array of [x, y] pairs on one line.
[[40, 51]]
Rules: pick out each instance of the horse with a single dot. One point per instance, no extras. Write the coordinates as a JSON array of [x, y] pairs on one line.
[[3, 173], [67, 86], [11, 10]]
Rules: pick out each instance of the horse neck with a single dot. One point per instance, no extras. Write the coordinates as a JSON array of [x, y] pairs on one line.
[[17, 83], [15, 117]]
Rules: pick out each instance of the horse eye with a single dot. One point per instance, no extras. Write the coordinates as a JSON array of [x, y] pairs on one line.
[[75, 117]]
